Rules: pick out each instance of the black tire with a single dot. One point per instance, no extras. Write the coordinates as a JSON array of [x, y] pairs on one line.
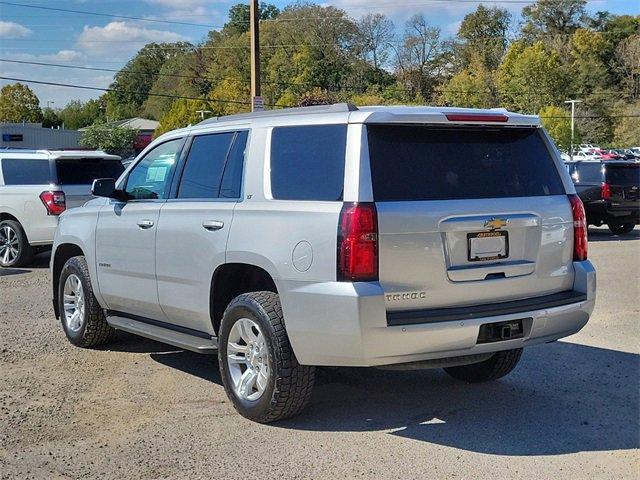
[[621, 229], [25, 251], [499, 365], [290, 384], [94, 329]]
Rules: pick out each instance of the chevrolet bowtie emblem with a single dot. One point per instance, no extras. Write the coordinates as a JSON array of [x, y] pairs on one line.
[[495, 223]]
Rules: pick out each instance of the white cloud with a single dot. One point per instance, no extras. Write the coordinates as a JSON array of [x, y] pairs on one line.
[[180, 4], [13, 30], [121, 38]]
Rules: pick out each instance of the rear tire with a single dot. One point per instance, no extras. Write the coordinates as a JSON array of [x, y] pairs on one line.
[[89, 328], [15, 250], [499, 365], [281, 387], [621, 229]]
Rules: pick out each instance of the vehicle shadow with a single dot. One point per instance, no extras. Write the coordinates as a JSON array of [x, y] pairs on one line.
[[562, 398], [605, 235], [5, 272]]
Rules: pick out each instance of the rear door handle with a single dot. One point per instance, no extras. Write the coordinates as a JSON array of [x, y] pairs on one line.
[[144, 224], [212, 225]]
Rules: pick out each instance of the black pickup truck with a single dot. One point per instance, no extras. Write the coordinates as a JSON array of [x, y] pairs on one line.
[[609, 191]]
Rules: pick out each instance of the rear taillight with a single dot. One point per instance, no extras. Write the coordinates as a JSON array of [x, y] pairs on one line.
[[605, 191], [358, 243], [579, 229], [54, 202]]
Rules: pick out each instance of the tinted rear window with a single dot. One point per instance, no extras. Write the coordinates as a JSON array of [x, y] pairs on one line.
[[588, 173], [623, 174], [430, 163], [307, 163], [85, 171], [26, 171]]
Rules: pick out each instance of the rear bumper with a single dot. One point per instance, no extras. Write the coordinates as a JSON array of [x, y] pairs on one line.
[[344, 324], [600, 212]]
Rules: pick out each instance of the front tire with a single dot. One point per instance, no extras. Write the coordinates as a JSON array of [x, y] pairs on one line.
[[15, 250], [259, 370], [83, 319], [621, 229], [495, 367]]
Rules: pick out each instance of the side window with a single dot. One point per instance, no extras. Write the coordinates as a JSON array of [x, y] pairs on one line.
[[203, 171], [26, 171], [151, 177], [232, 176], [307, 163]]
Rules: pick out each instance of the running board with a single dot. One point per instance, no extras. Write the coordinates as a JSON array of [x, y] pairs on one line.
[[180, 339]]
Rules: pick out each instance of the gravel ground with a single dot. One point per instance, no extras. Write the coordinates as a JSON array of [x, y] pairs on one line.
[[140, 409]]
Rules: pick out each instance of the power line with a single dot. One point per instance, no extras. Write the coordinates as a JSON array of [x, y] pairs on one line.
[[118, 90], [100, 14]]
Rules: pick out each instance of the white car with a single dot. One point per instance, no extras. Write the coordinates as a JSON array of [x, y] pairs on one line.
[[38, 185]]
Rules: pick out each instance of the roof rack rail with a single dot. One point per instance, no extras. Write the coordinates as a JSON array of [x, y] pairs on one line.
[[333, 108]]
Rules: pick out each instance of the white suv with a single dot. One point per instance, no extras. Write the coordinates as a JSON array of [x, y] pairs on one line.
[[38, 185], [333, 236]]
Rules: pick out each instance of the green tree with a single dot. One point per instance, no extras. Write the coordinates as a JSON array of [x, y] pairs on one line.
[[50, 118], [77, 114], [239, 17], [558, 123], [628, 60], [532, 77], [114, 140], [483, 33], [552, 17], [132, 84], [18, 103], [588, 70]]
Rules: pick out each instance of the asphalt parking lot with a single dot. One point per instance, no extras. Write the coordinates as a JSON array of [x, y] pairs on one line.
[[140, 409]]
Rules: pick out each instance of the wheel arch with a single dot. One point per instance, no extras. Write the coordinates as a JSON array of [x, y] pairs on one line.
[[232, 279], [60, 255]]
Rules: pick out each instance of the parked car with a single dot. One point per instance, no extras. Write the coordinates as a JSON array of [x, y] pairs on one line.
[[609, 191], [284, 240], [36, 186], [585, 156]]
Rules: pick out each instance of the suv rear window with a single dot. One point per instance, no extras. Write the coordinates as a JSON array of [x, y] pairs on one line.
[[26, 171], [84, 171], [588, 173], [436, 163], [623, 174], [307, 163]]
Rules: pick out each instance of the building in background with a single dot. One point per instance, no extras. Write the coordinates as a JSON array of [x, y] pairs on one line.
[[145, 128], [34, 136]]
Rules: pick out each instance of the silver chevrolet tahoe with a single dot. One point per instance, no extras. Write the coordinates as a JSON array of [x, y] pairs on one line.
[[397, 237]]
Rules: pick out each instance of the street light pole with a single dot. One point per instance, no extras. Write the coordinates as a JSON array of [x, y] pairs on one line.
[[254, 26], [573, 114], [202, 113]]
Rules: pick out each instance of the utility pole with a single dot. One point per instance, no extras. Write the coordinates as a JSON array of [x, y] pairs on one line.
[[573, 115], [256, 96]]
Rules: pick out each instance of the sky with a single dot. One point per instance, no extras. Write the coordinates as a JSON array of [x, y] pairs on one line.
[[106, 41]]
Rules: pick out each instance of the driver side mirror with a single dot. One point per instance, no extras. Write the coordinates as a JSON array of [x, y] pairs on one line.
[[106, 187]]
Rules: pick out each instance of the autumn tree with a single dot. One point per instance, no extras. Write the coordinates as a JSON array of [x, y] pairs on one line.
[[558, 123], [472, 87], [18, 103]]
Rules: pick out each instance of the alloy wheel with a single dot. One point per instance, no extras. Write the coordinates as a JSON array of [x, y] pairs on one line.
[[9, 245], [248, 359], [73, 303]]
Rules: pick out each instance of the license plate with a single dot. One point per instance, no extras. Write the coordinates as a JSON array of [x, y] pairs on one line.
[[487, 246]]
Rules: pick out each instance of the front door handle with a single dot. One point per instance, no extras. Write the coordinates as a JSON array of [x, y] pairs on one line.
[[144, 224], [212, 225]]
